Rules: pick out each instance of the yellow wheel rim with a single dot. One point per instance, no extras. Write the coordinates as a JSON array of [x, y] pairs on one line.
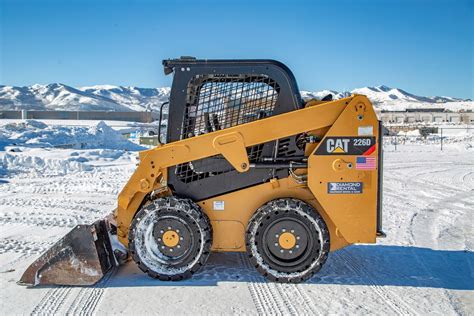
[[287, 240], [170, 238]]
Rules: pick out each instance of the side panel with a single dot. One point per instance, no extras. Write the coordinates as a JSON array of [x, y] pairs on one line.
[[343, 172], [230, 213]]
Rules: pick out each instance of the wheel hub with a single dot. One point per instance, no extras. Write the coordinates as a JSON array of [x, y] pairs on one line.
[[170, 238], [287, 240], [173, 237]]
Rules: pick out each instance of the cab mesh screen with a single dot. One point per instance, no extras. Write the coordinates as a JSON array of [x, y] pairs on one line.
[[221, 101], [216, 102]]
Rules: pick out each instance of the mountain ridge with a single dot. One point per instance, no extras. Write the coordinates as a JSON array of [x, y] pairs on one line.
[[59, 96]]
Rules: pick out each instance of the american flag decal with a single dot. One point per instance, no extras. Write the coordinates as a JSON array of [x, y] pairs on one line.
[[365, 163]]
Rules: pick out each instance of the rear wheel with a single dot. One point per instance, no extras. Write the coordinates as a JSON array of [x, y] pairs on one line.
[[170, 238], [287, 240]]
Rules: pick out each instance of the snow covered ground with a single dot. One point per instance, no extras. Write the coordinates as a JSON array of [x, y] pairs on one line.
[[425, 265]]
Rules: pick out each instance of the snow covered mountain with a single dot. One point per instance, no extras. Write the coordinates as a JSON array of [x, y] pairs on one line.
[[382, 94], [393, 99], [58, 96]]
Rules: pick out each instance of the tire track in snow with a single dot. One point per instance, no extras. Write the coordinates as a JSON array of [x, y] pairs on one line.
[[42, 219], [89, 298], [389, 297], [52, 301], [48, 203], [277, 298], [263, 301], [255, 293], [431, 217], [24, 247]]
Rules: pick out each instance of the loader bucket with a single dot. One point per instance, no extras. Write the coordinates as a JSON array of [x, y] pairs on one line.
[[82, 257]]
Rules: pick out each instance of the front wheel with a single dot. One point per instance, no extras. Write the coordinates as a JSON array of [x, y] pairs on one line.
[[170, 238], [287, 240]]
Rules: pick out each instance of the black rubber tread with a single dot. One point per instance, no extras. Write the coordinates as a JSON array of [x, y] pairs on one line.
[[272, 209], [191, 210]]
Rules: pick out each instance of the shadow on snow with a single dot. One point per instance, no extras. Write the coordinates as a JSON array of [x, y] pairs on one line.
[[355, 265]]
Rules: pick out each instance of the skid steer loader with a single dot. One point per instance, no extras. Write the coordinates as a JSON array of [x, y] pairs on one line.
[[247, 166]]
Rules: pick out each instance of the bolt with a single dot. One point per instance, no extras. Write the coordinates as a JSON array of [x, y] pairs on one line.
[[283, 230], [178, 246], [298, 237], [159, 239], [169, 228], [276, 235], [177, 230], [276, 244], [291, 251], [161, 232], [171, 249], [162, 247], [181, 238], [297, 246], [292, 231], [243, 166], [282, 251]]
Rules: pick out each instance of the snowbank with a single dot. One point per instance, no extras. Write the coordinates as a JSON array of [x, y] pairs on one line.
[[36, 134], [32, 147], [14, 163]]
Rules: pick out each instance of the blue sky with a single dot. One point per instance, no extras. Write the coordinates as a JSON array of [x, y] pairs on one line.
[[425, 47]]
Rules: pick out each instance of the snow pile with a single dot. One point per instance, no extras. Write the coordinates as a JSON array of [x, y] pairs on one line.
[[35, 134], [31, 147], [13, 163]]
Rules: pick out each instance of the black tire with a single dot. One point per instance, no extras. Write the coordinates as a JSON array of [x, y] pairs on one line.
[[302, 255], [194, 238]]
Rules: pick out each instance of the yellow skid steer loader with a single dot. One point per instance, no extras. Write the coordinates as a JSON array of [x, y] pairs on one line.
[[246, 166]]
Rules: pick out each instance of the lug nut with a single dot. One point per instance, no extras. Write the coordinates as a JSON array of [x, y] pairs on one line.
[[277, 236], [297, 246], [291, 251], [283, 230], [177, 230], [276, 244], [169, 228], [298, 237], [171, 249], [181, 238], [282, 251], [161, 232], [178, 246], [292, 231]]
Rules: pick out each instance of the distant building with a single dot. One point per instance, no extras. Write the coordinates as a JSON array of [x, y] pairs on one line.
[[426, 116]]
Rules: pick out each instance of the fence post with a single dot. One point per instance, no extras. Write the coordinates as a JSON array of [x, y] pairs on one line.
[[441, 139]]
